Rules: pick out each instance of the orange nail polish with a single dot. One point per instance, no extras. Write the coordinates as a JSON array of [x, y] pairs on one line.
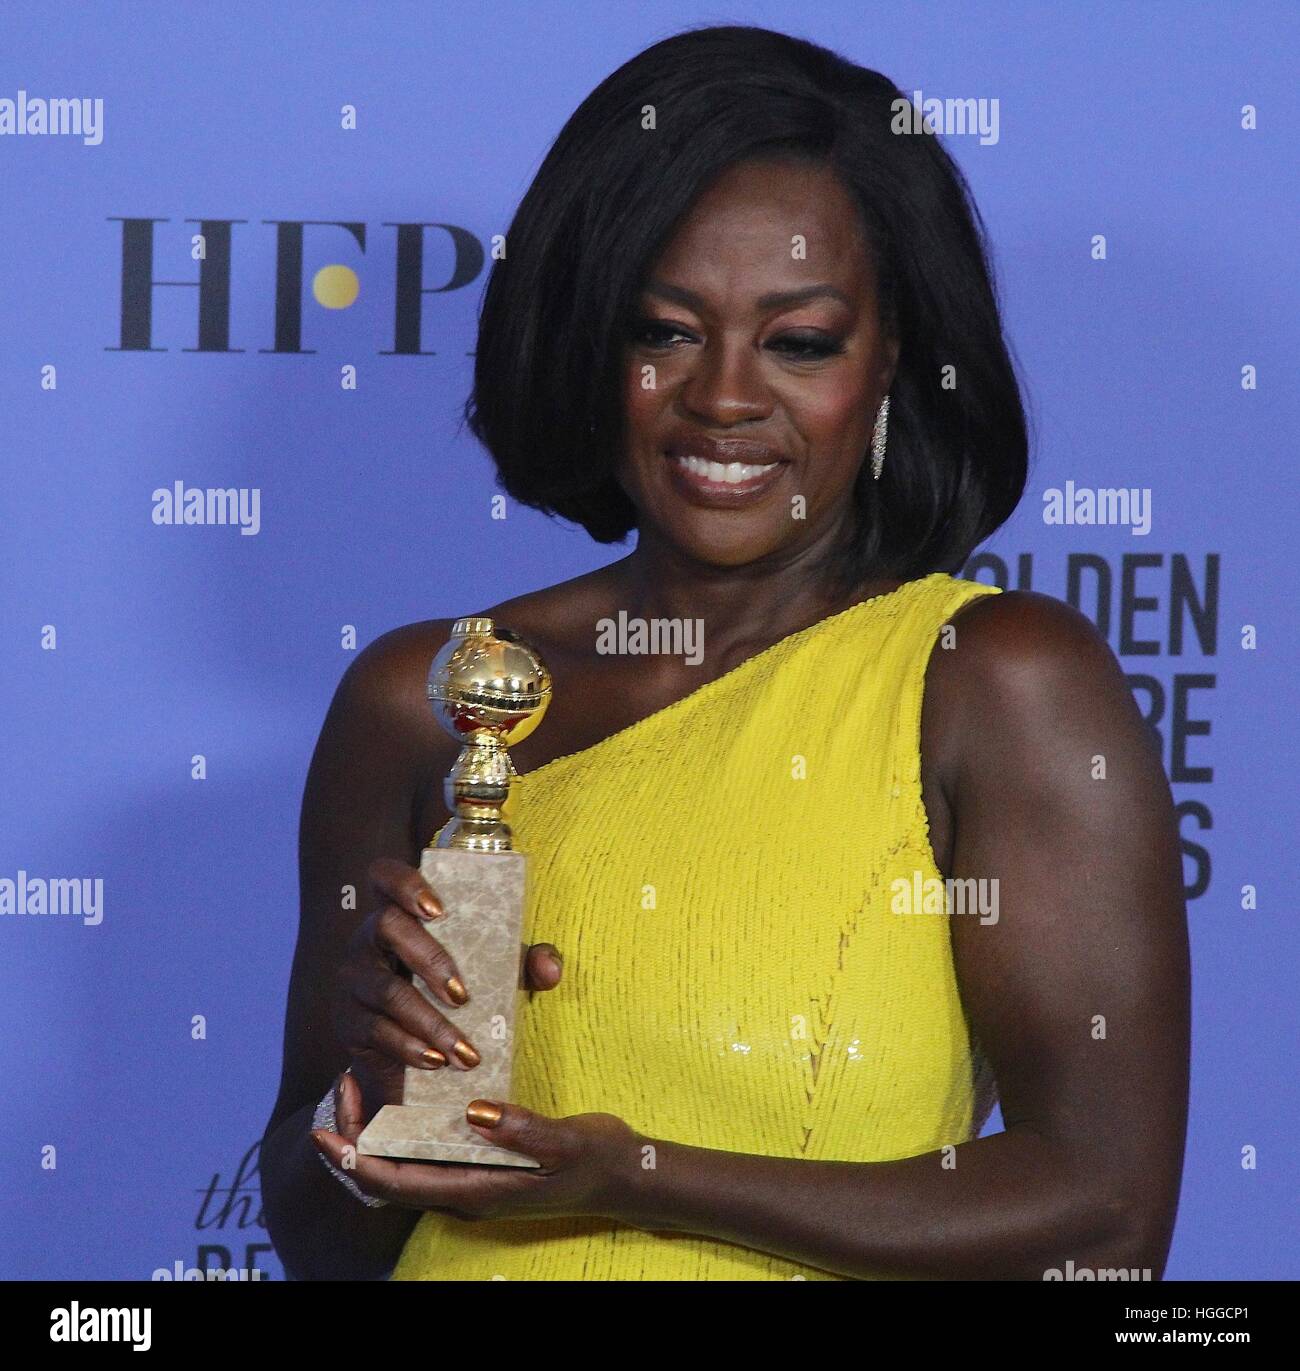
[[466, 1053], [456, 990], [433, 1057], [483, 1113]]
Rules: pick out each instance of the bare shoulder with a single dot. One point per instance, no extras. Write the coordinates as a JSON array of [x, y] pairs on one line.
[[379, 732], [1023, 675], [1021, 651], [387, 678], [1022, 634], [387, 681]]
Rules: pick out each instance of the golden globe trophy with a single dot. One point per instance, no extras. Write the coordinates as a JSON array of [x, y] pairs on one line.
[[488, 689]]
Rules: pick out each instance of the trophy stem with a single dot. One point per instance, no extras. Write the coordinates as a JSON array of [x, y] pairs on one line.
[[476, 790]]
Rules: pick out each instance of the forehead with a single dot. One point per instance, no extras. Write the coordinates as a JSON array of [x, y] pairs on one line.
[[744, 227]]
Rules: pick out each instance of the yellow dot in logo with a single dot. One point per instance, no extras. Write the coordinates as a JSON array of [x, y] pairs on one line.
[[335, 287]]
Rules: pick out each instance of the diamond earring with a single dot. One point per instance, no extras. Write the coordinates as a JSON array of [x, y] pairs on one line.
[[878, 436]]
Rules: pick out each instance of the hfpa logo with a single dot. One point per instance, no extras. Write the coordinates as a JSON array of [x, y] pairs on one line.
[[334, 287]]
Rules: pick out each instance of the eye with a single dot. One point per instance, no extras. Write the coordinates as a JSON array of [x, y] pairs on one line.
[[653, 332], [807, 347], [798, 347]]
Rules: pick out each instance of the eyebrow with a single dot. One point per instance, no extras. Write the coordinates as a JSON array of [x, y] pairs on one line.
[[780, 299]]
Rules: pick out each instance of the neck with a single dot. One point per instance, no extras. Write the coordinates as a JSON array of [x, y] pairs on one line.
[[759, 602]]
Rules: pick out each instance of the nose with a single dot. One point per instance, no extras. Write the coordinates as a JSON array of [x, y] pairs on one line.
[[725, 385]]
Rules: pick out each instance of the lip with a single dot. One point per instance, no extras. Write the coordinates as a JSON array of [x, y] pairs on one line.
[[699, 490], [725, 450]]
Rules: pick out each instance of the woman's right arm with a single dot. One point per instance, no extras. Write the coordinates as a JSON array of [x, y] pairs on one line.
[[377, 746]]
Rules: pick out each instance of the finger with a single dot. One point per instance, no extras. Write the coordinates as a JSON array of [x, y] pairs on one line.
[[392, 998], [517, 1129], [357, 1084], [379, 1078], [398, 1047], [342, 1152], [349, 1109], [403, 884], [339, 1146], [425, 1186], [421, 953], [543, 967], [436, 1186]]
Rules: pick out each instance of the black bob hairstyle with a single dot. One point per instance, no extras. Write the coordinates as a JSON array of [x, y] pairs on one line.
[[557, 307]]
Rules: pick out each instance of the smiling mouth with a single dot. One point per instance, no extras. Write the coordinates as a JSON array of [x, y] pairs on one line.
[[721, 484]]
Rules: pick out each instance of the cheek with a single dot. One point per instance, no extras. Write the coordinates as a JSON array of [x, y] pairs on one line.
[[641, 409], [640, 406], [837, 431], [639, 427], [636, 397]]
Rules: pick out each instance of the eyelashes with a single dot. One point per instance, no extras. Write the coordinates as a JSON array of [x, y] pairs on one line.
[[799, 346]]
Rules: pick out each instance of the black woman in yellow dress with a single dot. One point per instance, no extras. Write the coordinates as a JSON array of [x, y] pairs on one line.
[[807, 899]]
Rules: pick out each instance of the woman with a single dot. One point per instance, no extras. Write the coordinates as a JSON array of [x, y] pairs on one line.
[[742, 316]]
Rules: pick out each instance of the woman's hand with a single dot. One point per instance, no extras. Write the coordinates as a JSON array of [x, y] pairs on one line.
[[382, 1020], [387, 1025], [587, 1162]]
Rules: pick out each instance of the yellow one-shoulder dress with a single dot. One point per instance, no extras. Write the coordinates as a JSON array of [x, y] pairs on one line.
[[720, 877]]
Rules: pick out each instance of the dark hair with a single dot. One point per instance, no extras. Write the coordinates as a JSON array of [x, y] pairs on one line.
[[605, 201]]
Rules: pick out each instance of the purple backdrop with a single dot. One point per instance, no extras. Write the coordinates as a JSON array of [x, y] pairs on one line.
[[133, 647]]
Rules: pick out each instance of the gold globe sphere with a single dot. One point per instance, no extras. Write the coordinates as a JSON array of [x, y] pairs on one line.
[[489, 690]]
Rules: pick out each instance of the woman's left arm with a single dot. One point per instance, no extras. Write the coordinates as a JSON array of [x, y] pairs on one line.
[[1078, 995]]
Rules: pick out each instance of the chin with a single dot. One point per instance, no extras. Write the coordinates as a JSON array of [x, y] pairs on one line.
[[722, 547], [723, 527]]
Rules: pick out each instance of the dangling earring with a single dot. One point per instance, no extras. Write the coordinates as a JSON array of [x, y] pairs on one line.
[[878, 437]]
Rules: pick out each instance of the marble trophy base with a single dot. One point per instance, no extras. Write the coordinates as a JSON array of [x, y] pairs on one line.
[[483, 893]]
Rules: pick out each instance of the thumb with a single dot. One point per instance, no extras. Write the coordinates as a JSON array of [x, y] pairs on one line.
[[543, 967], [515, 1128]]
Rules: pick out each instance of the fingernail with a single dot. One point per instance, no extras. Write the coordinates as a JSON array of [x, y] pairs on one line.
[[318, 1137], [558, 960], [483, 1113], [457, 990], [433, 1057], [466, 1053], [430, 906]]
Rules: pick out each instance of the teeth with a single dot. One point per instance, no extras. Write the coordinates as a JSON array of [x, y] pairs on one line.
[[732, 473]]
